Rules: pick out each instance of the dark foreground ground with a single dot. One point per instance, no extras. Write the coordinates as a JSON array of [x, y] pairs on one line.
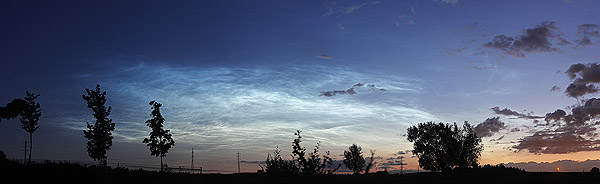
[[11, 172]]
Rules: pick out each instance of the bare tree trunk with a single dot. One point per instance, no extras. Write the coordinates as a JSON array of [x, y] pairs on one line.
[[161, 164], [30, 146]]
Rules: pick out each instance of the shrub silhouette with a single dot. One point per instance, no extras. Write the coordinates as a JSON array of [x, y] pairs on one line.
[[160, 140], [595, 170], [29, 118], [313, 164], [302, 162], [99, 135], [275, 165], [442, 147], [353, 159]]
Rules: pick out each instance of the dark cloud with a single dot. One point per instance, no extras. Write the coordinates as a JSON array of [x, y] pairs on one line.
[[489, 127], [584, 73], [351, 91], [585, 79], [508, 112], [537, 39], [586, 32], [576, 133], [579, 89], [515, 130], [551, 142], [555, 116], [499, 138], [323, 56]]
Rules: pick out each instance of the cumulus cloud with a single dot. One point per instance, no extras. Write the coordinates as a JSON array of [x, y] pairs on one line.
[[537, 39], [555, 116], [544, 142], [576, 133], [586, 32], [489, 127], [579, 89], [508, 112], [585, 79]]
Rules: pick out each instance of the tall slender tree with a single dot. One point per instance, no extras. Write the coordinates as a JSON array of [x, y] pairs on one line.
[[99, 135], [30, 117], [160, 140]]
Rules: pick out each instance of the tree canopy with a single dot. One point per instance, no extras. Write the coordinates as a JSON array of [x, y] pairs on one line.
[[442, 147], [353, 159]]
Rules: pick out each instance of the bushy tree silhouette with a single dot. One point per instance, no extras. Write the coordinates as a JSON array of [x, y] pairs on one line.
[[99, 135], [595, 170], [30, 117], [442, 147], [275, 165], [313, 164], [353, 159], [13, 109], [160, 140]]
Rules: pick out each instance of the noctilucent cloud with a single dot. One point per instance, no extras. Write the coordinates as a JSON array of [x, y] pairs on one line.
[[245, 75]]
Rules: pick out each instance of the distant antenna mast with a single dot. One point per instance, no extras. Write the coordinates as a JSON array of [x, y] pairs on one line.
[[192, 161], [238, 161]]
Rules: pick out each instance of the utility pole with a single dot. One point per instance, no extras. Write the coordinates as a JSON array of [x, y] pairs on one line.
[[238, 161], [25, 150], [192, 161], [401, 165]]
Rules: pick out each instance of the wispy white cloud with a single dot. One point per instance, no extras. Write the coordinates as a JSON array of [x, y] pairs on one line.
[[254, 109]]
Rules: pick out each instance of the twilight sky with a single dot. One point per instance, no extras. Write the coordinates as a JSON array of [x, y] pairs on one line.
[[244, 75]]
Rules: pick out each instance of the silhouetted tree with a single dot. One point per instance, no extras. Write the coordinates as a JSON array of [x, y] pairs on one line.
[[275, 165], [99, 135], [442, 147], [13, 109], [353, 159], [29, 118], [314, 164], [595, 170], [160, 140]]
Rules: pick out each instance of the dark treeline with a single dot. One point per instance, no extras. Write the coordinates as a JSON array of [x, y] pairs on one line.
[[61, 172]]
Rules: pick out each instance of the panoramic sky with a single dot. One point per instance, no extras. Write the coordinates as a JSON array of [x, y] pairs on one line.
[[245, 75]]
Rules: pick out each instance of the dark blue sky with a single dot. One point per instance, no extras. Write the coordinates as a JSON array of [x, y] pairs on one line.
[[244, 75]]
